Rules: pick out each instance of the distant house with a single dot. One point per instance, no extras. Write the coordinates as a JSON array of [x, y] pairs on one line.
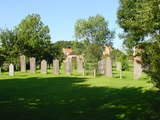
[[70, 54], [107, 50]]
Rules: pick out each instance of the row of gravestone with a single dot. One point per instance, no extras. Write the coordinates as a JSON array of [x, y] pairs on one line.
[[104, 67], [68, 66], [137, 70], [43, 65]]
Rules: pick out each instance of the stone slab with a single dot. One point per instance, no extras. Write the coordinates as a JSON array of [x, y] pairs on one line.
[[80, 66], [33, 65], [23, 63], [11, 70], [108, 67], [55, 66], [137, 71], [70, 62], [101, 66], [67, 68], [118, 66], [94, 72], [44, 66]]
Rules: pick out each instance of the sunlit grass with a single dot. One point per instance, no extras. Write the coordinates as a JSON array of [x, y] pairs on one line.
[[47, 96]]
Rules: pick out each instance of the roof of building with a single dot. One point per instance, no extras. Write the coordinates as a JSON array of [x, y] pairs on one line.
[[109, 48], [68, 50]]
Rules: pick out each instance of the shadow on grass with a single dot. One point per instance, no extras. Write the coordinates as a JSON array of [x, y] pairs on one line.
[[63, 98]]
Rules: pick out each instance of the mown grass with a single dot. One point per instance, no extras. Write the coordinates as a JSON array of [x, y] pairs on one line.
[[28, 96]]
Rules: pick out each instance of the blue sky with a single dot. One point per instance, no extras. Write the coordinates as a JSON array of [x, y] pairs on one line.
[[60, 15]]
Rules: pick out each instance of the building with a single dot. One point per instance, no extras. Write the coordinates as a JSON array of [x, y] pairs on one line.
[[107, 50]]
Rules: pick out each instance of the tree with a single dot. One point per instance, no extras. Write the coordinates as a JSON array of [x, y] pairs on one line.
[[33, 36], [144, 21], [9, 47], [115, 54], [123, 60], [92, 33]]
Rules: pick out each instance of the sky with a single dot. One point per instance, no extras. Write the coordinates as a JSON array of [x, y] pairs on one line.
[[60, 15]]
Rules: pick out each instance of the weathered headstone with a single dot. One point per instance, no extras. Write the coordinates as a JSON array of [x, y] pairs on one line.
[[101, 66], [11, 70], [70, 63], [67, 68], [55, 66], [137, 71], [121, 73], [108, 67], [80, 66], [33, 65], [23, 63], [118, 66], [94, 72], [44, 66]]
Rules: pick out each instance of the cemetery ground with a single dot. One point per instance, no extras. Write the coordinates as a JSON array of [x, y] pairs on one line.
[[29, 96]]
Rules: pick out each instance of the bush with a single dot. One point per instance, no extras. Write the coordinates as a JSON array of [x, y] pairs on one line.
[[123, 60]]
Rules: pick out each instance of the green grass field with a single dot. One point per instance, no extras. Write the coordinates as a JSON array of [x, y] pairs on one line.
[[28, 96]]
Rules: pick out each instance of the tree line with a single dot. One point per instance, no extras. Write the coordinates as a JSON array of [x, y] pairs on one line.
[[32, 39]]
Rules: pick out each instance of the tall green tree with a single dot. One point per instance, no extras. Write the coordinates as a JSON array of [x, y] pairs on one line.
[[33, 36], [93, 32], [9, 47], [142, 21]]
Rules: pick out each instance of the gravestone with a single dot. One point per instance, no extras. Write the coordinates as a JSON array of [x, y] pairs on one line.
[[108, 67], [23, 63], [80, 66], [101, 66], [0, 70], [33, 65], [44, 66], [11, 70], [70, 62], [121, 73], [137, 71], [67, 68], [94, 72], [55, 66], [118, 66]]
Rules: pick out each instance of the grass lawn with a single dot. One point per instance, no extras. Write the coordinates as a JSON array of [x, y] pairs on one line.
[[28, 96]]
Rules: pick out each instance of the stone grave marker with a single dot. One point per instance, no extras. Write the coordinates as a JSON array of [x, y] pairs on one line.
[[121, 73], [44, 66], [33, 65], [55, 66], [137, 71], [118, 66], [101, 66], [70, 62], [67, 68], [0, 70], [11, 70], [94, 72], [108, 67], [23, 63], [80, 66]]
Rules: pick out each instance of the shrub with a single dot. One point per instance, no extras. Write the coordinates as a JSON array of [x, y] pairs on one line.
[[123, 60]]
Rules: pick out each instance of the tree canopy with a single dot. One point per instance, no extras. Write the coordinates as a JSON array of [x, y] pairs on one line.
[[33, 36], [140, 19], [93, 33]]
